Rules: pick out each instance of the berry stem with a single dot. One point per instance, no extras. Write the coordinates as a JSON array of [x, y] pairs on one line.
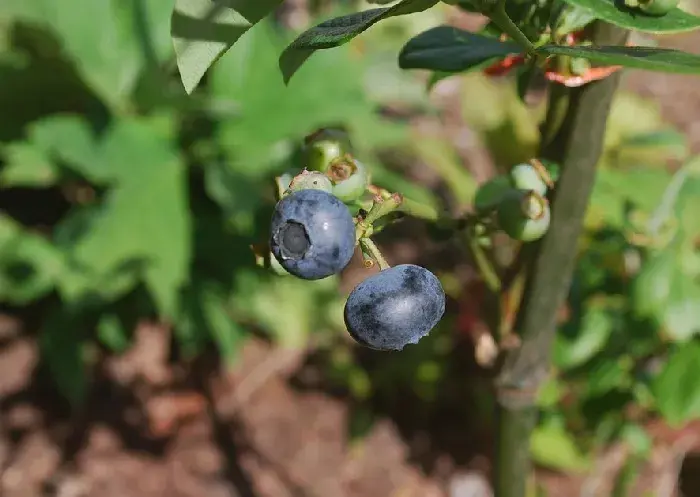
[[486, 269], [370, 248], [418, 210], [500, 17]]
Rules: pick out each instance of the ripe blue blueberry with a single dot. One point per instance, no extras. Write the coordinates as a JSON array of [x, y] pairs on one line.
[[312, 234], [395, 307]]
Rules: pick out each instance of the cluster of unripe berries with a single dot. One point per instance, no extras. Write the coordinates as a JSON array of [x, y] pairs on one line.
[[323, 213], [517, 201]]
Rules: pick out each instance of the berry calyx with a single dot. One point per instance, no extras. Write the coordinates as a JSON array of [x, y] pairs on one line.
[[324, 146], [350, 178], [524, 215]]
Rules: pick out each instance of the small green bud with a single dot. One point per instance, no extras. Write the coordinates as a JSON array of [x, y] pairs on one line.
[[526, 177], [310, 180], [350, 178], [324, 146], [524, 215], [657, 7]]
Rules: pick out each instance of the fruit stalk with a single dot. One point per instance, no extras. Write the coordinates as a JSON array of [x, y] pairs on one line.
[[576, 145]]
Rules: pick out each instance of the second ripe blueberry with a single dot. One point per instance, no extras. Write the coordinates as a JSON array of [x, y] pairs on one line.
[[395, 307], [312, 234]]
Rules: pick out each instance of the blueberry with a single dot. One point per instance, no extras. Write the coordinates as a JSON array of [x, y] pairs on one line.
[[312, 234], [395, 307]]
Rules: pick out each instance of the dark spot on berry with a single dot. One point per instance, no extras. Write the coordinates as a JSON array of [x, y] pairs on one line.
[[294, 241]]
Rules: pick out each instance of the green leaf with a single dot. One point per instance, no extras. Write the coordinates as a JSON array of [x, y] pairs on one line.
[[287, 308], [203, 30], [677, 388], [640, 187], [490, 193], [647, 58], [591, 335], [112, 333], [651, 288], [146, 216], [441, 157], [688, 203], [80, 285], [669, 139], [29, 265], [340, 30], [69, 138], [273, 116], [666, 293], [605, 375], [681, 318], [224, 330], [62, 346], [552, 446], [449, 49], [204, 315], [611, 11], [237, 194], [110, 42], [27, 165]]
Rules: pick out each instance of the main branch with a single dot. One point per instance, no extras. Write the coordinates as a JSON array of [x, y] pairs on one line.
[[574, 139]]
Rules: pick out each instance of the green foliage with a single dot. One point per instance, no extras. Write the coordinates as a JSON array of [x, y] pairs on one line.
[[647, 58], [677, 388], [338, 31], [164, 194], [614, 12], [203, 30], [449, 49]]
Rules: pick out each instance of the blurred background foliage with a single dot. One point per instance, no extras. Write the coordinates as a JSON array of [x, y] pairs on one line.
[[123, 200]]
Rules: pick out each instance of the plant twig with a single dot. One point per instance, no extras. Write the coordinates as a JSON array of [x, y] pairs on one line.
[[500, 17], [369, 247], [576, 146], [486, 270]]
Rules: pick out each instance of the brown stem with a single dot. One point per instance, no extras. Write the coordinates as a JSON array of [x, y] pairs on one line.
[[576, 146]]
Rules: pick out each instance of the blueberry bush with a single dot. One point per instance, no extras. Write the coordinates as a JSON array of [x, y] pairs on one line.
[[198, 165]]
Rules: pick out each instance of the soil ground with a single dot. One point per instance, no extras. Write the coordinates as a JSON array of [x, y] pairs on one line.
[[270, 428]]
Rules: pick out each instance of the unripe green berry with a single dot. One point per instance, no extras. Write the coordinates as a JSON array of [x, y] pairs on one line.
[[524, 215], [310, 180], [657, 7], [350, 178], [526, 177], [324, 146]]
